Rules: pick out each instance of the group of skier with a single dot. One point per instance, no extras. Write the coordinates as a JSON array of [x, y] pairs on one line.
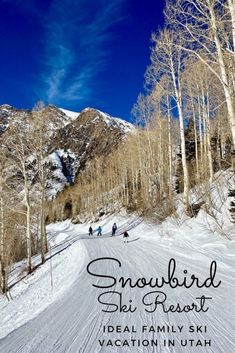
[[114, 230]]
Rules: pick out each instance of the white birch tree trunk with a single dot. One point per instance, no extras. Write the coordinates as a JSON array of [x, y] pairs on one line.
[[2, 265], [224, 77], [182, 136]]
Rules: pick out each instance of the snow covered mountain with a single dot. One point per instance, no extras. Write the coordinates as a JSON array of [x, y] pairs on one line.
[[9, 114], [91, 134], [70, 114], [73, 139], [108, 119]]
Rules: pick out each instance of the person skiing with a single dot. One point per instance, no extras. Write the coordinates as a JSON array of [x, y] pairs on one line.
[[114, 229], [125, 236], [90, 231], [99, 231]]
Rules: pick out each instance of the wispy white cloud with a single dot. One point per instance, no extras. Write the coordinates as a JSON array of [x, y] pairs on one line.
[[76, 36]]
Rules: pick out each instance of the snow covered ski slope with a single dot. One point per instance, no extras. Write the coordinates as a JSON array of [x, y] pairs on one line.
[[73, 321]]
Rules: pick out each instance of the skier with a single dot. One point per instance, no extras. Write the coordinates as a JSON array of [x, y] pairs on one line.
[[99, 231], [125, 236], [114, 229], [90, 231]]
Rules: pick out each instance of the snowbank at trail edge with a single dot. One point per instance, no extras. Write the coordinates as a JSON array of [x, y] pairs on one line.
[[48, 283]]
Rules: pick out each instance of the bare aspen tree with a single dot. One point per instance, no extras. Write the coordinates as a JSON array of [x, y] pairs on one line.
[[12, 211], [40, 134], [19, 146], [162, 94], [201, 23], [192, 103], [168, 59], [144, 112], [230, 5], [3, 277], [169, 127]]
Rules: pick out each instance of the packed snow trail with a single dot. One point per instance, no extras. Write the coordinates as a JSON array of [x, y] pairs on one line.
[[74, 323]]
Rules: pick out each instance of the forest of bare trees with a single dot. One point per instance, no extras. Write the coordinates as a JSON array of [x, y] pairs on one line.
[[184, 119], [22, 205]]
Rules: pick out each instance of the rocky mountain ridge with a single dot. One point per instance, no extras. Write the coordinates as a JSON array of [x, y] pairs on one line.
[[73, 139]]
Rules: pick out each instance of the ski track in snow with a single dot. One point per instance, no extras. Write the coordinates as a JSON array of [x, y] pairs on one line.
[[73, 322]]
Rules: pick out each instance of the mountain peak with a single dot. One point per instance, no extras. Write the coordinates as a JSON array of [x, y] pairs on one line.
[[72, 115]]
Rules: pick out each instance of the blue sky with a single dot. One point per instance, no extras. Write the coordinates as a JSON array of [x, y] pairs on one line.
[[76, 53]]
